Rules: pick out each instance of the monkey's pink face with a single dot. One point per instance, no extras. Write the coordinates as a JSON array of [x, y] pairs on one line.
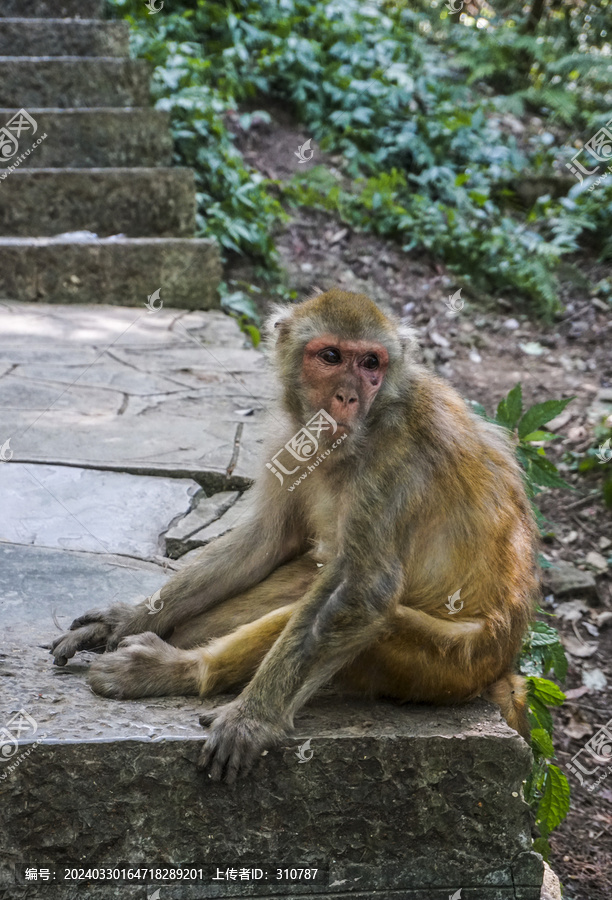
[[343, 377]]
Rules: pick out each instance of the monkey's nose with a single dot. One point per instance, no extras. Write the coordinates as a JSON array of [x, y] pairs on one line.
[[345, 397]]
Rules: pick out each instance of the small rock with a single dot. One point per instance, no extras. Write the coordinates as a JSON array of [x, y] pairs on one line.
[[511, 324], [565, 581], [597, 561], [604, 619], [604, 543], [551, 888], [532, 348], [439, 340], [594, 679], [475, 356]]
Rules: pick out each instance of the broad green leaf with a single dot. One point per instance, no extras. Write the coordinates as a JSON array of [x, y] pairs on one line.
[[510, 408], [540, 436], [541, 846], [559, 661], [554, 805], [542, 741], [547, 691], [540, 414], [540, 713]]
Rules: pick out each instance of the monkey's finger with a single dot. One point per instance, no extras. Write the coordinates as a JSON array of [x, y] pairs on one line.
[[208, 716], [88, 618], [89, 638]]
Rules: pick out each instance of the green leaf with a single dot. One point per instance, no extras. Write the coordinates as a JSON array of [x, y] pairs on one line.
[[543, 472], [559, 661], [543, 743], [510, 408], [541, 846], [554, 805], [539, 714], [540, 414], [540, 436], [547, 691]]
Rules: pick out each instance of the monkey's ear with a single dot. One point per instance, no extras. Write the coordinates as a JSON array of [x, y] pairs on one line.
[[408, 338], [277, 323]]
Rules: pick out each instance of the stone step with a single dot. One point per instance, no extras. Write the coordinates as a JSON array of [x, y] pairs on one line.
[[92, 138], [63, 37], [124, 271], [137, 202], [51, 9], [73, 81], [387, 801]]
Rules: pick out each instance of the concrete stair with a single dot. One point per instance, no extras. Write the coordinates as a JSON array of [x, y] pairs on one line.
[[47, 9], [90, 155], [99, 138], [57, 37]]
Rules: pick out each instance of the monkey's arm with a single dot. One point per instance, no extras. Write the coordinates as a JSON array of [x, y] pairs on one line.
[[272, 533], [346, 610]]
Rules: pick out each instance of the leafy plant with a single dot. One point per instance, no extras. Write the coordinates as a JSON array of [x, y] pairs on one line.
[[404, 95], [547, 788]]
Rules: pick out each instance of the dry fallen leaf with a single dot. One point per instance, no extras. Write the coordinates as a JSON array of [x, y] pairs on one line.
[[577, 648], [572, 611], [577, 727]]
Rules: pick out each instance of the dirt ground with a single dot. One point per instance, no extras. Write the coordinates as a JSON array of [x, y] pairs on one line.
[[484, 350]]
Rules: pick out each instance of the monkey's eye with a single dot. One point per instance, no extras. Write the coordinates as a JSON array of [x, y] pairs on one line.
[[370, 362], [331, 356]]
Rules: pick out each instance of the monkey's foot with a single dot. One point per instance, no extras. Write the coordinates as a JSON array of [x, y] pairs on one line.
[[145, 666], [235, 739], [97, 630]]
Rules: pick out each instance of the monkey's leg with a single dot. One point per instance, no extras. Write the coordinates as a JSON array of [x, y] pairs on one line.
[[144, 665], [284, 586], [431, 660]]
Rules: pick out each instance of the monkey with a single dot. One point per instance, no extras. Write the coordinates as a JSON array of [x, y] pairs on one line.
[[351, 578]]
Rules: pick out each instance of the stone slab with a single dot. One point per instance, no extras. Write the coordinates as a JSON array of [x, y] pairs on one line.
[[121, 271], [409, 799], [97, 138], [123, 389], [79, 9], [63, 37], [73, 81], [81, 509], [223, 524], [137, 202], [205, 511]]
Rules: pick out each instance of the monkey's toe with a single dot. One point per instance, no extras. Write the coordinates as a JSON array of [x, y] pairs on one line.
[[125, 674], [91, 637], [143, 666]]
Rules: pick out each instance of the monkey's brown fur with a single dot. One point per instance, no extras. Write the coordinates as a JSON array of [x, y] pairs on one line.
[[420, 500]]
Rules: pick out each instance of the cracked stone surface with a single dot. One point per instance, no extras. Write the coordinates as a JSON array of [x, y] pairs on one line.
[[128, 390], [83, 509], [206, 510], [124, 399]]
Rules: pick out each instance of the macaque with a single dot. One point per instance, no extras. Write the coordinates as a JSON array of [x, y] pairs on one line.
[[402, 566]]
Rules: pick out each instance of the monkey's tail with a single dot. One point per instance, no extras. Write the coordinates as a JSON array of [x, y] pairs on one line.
[[510, 694]]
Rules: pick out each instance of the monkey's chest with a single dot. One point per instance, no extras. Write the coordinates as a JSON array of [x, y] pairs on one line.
[[325, 517]]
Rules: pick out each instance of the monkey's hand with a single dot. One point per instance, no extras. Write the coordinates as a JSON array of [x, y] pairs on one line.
[[235, 739], [98, 630]]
